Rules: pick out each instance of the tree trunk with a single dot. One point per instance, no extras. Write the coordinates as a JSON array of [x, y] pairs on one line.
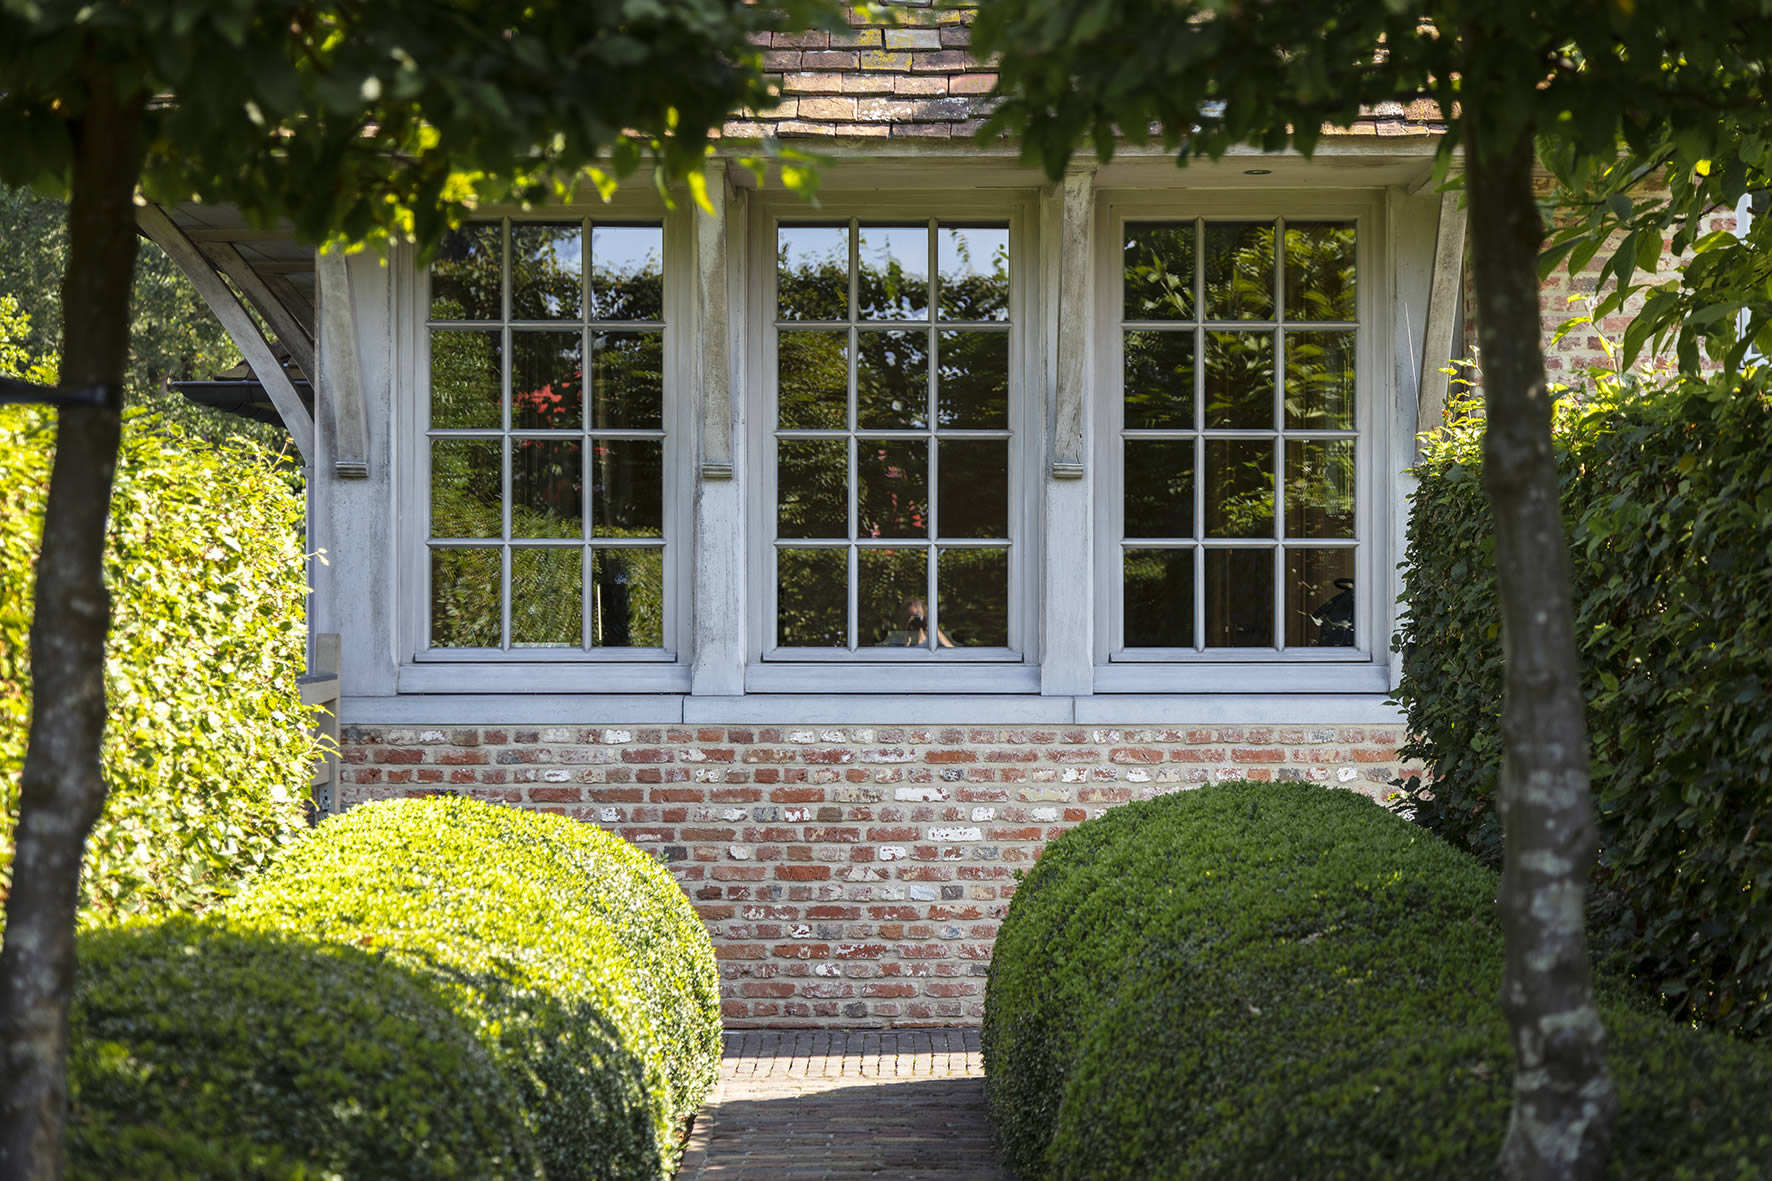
[[61, 791], [1564, 1101]]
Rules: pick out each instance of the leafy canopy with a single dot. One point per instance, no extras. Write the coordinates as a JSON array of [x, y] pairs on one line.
[[370, 119]]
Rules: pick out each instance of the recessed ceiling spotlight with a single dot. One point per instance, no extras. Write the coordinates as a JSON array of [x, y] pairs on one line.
[[1258, 172]]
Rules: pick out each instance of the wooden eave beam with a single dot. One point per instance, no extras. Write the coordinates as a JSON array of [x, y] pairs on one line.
[[160, 229], [294, 335]]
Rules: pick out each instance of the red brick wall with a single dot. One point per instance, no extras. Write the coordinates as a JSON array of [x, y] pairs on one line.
[[850, 875]]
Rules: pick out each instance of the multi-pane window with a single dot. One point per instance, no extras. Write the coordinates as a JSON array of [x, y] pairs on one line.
[[891, 437], [546, 437], [1237, 434]]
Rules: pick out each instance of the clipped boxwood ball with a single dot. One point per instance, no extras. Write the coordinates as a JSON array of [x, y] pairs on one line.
[[581, 964], [1284, 981], [201, 1048]]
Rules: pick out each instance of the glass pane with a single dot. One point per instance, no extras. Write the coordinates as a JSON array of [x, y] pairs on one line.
[[972, 380], [627, 272], [1320, 598], [547, 488], [465, 372], [1160, 380], [627, 598], [1159, 261], [812, 272], [892, 380], [973, 280], [1320, 271], [1320, 488], [547, 271], [812, 488], [627, 381], [893, 280], [1320, 381], [893, 497], [1158, 589], [547, 598], [1239, 270], [972, 598], [547, 381], [1239, 598], [812, 598], [1159, 487], [1240, 381], [627, 488], [813, 386], [465, 598], [465, 274], [974, 487], [892, 597], [1239, 488], [467, 488]]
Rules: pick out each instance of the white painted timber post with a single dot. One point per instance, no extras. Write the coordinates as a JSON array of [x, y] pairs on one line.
[[1067, 633], [718, 668]]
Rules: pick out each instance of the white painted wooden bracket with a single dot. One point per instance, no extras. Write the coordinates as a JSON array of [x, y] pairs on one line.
[[1073, 323], [1442, 313], [294, 335], [340, 384], [713, 323], [160, 229]]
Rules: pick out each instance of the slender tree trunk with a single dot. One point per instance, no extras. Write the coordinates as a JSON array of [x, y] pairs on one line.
[[61, 791], [1564, 1101]]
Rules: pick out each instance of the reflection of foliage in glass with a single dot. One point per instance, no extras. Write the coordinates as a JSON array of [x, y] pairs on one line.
[[627, 487], [467, 488], [891, 380], [892, 272], [973, 596], [972, 380], [1158, 262], [812, 272], [812, 385], [1319, 488], [466, 282], [1159, 487], [1320, 271], [1159, 388], [546, 270], [1239, 488], [1240, 380], [466, 368], [546, 597], [1158, 602], [1320, 381], [627, 381], [547, 488], [968, 287], [891, 582], [627, 272], [1239, 259], [547, 380], [465, 605], [812, 488], [812, 598], [892, 493]]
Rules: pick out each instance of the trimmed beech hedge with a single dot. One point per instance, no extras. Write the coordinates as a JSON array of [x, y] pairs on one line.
[[1667, 494], [578, 974], [1282, 981], [202, 1048]]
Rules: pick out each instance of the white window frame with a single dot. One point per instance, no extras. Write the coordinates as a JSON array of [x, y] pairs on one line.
[[1363, 668], [1015, 670], [423, 669]]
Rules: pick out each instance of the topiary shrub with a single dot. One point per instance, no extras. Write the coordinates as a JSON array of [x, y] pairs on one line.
[[1283, 981], [201, 1048], [207, 746], [1667, 494], [577, 959]]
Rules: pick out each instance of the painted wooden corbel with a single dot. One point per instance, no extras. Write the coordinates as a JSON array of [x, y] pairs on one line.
[[714, 327], [160, 229], [1073, 323], [1442, 314], [342, 378]]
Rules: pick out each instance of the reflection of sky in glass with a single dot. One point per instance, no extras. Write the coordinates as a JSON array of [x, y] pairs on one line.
[[799, 247], [880, 250], [625, 250], [974, 250]]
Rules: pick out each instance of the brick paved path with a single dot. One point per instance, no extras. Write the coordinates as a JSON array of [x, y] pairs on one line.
[[837, 1104]]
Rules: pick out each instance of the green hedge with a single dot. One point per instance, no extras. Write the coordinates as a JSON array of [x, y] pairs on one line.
[[577, 959], [1667, 494], [202, 1048], [1282, 981], [207, 749]]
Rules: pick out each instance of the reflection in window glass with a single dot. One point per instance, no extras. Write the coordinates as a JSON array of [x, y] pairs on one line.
[[892, 437], [1276, 452], [516, 459]]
